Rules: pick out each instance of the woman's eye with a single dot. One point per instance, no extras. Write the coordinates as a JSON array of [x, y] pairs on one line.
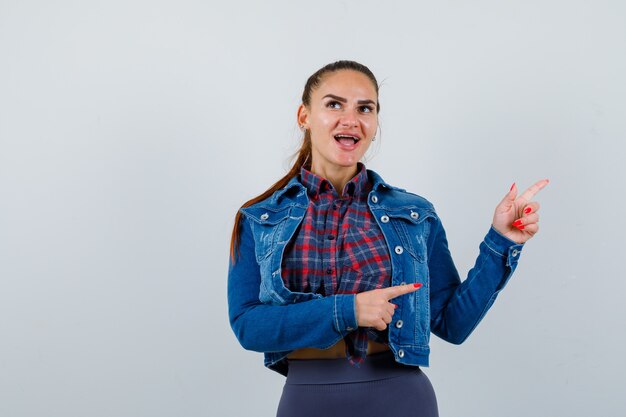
[[333, 104], [366, 109]]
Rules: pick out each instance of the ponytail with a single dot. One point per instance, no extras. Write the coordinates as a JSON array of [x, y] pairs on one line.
[[303, 159]]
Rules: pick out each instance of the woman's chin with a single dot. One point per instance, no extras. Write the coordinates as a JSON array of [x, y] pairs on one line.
[[346, 163], [347, 159]]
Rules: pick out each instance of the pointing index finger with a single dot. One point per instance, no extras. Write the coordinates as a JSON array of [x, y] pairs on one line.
[[398, 290], [534, 189]]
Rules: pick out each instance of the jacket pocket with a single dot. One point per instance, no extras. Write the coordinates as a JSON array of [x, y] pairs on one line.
[[266, 225], [412, 226]]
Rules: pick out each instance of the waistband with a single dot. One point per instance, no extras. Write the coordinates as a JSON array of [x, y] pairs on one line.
[[337, 371]]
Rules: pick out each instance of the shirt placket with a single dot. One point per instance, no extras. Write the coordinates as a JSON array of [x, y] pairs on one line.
[[331, 228]]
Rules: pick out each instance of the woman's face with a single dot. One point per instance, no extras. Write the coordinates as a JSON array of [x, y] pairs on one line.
[[342, 120]]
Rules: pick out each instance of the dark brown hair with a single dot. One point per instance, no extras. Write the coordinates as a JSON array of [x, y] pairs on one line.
[[303, 156]]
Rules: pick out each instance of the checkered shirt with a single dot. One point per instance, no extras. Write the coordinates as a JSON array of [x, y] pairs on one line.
[[339, 249]]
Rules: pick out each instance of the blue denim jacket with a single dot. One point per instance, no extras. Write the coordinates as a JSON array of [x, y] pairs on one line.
[[267, 317]]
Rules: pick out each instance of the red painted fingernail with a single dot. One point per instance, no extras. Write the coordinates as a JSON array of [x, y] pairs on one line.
[[513, 185], [520, 227], [527, 210], [395, 306], [517, 223], [417, 285]]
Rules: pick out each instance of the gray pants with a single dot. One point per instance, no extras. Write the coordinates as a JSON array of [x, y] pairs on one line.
[[378, 387]]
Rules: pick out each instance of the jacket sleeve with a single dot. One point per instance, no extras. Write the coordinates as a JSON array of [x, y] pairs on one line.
[[317, 323], [457, 307]]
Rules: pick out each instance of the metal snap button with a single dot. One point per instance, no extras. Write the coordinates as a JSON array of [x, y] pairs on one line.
[[384, 219], [399, 250], [399, 324], [514, 253], [401, 353], [374, 199], [265, 216], [349, 328], [414, 215]]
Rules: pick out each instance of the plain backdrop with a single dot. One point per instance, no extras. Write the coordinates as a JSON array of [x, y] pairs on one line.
[[131, 131]]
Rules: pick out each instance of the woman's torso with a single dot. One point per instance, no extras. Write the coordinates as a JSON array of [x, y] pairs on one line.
[[405, 220], [338, 249]]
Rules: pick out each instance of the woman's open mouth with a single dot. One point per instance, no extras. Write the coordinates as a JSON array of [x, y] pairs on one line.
[[347, 141]]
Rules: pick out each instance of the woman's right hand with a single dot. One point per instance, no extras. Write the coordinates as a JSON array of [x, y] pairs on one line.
[[373, 308]]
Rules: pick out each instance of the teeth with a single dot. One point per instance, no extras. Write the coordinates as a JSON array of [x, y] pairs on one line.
[[348, 137]]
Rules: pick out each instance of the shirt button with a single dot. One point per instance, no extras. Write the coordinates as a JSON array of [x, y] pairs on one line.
[[374, 199], [384, 219], [414, 215], [265, 216], [399, 250], [514, 253], [401, 353], [399, 324], [329, 271], [330, 237]]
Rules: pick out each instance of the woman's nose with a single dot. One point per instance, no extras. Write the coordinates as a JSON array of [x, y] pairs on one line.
[[349, 119]]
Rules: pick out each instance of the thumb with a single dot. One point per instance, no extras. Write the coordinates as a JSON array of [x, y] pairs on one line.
[[509, 198]]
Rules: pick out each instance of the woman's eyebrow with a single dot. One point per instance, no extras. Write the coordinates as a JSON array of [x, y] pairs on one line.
[[343, 100]]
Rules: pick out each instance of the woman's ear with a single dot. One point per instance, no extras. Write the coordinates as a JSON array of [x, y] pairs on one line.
[[303, 117]]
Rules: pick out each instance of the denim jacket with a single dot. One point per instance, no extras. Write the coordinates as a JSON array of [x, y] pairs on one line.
[[267, 317]]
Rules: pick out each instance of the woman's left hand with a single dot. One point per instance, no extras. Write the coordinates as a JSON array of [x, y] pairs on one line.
[[516, 217]]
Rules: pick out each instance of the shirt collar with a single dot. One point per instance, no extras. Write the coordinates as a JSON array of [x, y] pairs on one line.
[[358, 186]]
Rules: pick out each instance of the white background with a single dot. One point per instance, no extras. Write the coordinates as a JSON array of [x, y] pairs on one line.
[[131, 131]]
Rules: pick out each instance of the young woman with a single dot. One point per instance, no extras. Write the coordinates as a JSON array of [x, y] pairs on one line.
[[339, 277]]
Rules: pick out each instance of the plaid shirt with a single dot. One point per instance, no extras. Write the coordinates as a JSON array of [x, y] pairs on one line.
[[339, 249]]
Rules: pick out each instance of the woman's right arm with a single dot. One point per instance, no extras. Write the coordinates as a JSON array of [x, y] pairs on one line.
[[317, 323]]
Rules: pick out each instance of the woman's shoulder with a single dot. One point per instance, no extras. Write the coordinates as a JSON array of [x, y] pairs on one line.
[[292, 194], [388, 194]]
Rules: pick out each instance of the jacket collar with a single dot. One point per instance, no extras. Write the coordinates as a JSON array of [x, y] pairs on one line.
[[293, 183], [375, 179], [378, 182]]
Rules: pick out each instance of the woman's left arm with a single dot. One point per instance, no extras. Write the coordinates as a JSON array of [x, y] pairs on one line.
[[457, 307]]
